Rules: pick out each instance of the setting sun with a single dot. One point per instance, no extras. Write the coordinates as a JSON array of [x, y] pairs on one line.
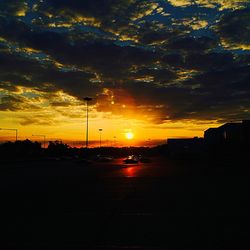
[[129, 135]]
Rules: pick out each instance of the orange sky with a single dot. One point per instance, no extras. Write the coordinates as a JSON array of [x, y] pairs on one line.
[[114, 128]]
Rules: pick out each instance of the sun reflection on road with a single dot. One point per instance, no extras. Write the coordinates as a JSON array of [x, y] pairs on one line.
[[131, 171]]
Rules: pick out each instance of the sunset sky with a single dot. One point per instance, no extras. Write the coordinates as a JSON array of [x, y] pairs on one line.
[[155, 68]]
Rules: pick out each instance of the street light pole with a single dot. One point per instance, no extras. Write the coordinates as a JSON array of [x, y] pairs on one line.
[[44, 136], [12, 129], [87, 99], [100, 130]]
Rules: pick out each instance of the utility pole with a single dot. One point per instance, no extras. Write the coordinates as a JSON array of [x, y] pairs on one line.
[[87, 99]]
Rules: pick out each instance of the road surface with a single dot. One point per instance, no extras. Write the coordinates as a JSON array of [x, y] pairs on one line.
[[165, 204]]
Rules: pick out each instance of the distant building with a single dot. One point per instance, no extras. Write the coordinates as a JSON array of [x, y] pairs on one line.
[[227, 139], [230, 133]]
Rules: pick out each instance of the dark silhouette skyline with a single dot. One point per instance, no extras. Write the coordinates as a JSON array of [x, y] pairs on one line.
[[229, 139]]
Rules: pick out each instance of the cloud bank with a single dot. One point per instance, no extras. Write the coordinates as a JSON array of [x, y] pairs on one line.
[[152, 60]]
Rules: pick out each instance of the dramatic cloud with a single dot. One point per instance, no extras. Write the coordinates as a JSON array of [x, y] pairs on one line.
[[233, 29], [221, 4], [151, 60], [13, 7]]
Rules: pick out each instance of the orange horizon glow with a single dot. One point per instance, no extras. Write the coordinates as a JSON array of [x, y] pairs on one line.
[[116, 131]]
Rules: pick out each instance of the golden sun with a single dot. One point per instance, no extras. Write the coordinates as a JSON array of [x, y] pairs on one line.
[[129, 135]]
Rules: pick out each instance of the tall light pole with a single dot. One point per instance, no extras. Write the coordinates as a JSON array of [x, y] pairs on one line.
[[87, 99], [100, 131], [12, 129], [44, 136]]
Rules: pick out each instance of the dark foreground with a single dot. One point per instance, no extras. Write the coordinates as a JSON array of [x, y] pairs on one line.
[[165, 204]]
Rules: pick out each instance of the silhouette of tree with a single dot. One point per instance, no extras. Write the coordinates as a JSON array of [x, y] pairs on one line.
[[21, 149], [57, 148]]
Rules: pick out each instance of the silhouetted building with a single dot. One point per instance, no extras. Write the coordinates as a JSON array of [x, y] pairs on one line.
[[230, 137], [229, 133], [213, 136], [246, 130]]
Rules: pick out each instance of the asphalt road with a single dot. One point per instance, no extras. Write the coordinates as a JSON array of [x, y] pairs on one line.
[[165, 204]]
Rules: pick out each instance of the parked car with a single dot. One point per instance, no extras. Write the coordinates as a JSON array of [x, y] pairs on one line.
[[131, 159]]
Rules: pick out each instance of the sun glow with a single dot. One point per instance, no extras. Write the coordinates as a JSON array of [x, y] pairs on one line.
[[129, 135]]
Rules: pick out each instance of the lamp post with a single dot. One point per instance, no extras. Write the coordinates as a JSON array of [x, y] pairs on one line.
[[12, 129], [100, 131], [87, 99], [44, 136]]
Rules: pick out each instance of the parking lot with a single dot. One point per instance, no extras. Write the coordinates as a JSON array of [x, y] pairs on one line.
[[164, 204]]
